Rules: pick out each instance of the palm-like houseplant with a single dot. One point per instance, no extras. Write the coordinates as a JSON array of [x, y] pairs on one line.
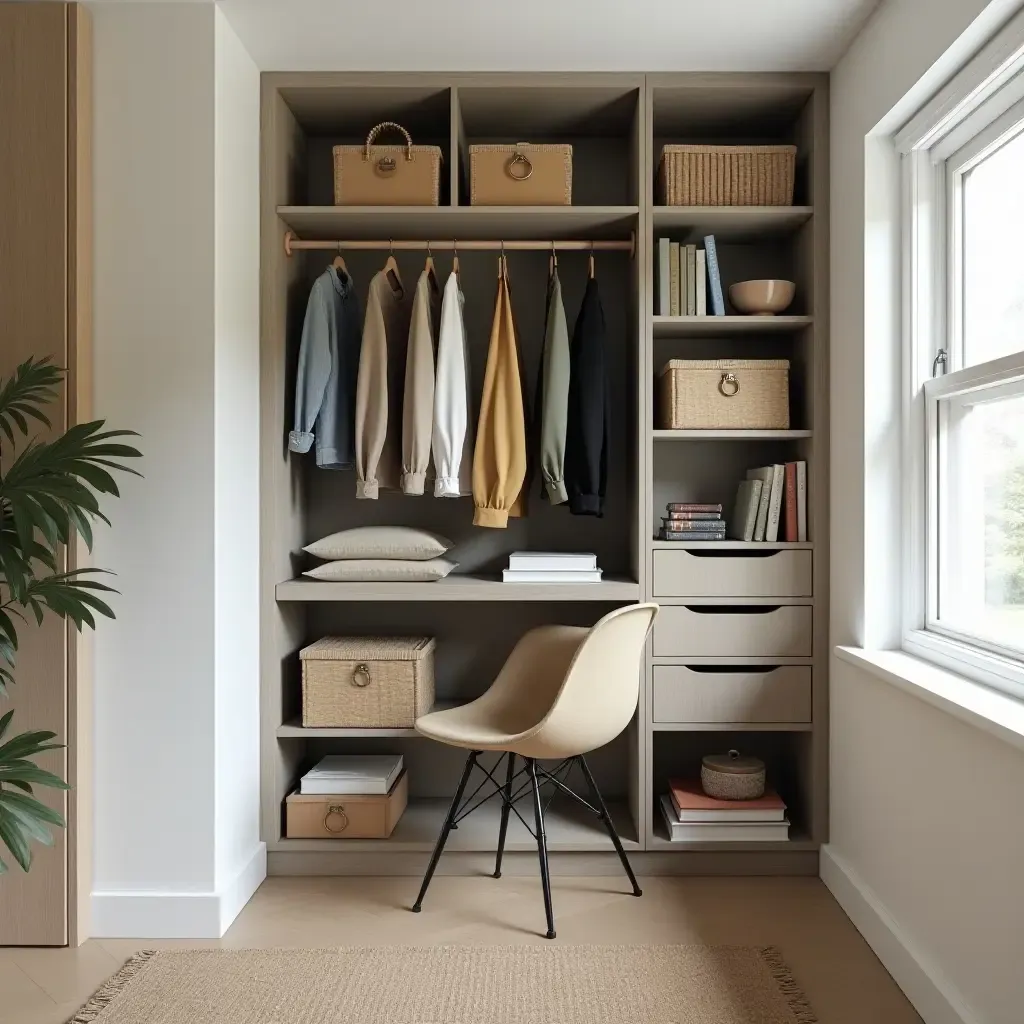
[[48, 494]]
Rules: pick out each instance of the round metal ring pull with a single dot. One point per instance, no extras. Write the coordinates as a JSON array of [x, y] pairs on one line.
[[729, 385], [386, 165], [519, 167], [361, 675], [336, 820]]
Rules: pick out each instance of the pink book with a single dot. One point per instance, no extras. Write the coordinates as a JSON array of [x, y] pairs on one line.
[[692, 804]]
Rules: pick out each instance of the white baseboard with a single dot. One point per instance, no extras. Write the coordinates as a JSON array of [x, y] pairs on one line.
[[934, 997], [177, 915]]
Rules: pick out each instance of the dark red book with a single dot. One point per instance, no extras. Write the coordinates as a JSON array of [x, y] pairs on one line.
[[791, 530]]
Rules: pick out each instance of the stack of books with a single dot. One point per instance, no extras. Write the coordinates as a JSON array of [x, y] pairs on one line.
[[689, 279], [352, 774], [686, 520], [771, 504], [552, 567], [693, 817]]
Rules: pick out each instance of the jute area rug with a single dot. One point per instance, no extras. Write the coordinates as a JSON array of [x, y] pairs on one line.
[[454, 985]]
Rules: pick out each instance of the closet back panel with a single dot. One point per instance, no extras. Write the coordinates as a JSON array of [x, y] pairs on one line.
[[331, 503]]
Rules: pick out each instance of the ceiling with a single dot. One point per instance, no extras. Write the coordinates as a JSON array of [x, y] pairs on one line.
[[548, 35]]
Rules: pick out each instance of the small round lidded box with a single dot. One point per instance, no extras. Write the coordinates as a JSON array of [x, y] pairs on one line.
[[732, 776]]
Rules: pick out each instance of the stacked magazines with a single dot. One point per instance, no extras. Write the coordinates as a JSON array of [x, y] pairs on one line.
[[552, 567], [686, 520]]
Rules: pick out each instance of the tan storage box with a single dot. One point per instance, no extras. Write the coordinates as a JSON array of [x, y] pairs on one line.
[[346, 817], [727, 175], [777, 695], [724, 394], [367, 682], [373, 175], [520, 175]]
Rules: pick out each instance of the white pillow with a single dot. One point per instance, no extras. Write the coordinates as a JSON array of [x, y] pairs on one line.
[[383, 570], [380, 542]]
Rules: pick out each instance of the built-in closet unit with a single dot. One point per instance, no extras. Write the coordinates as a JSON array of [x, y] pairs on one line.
[[773, 627]]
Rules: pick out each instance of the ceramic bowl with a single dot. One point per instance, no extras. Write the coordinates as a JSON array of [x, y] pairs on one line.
[[761, 298]]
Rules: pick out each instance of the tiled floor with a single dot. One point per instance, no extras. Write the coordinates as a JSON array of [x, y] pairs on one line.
[[840, 975]]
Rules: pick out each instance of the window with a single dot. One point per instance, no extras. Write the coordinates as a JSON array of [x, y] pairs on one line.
[[963, 161]]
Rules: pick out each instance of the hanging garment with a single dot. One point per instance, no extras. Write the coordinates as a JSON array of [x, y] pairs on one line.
[[554, 396], [499, 457], [586, 436], [452, 441], [418, 401], [380, 388], [325, 384]]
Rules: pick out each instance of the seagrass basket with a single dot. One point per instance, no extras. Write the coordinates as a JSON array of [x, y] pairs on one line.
[[724, 394], [727, 175]]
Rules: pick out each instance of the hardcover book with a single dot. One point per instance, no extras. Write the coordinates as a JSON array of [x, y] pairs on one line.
[[692, 804], [674, 273], [801, 501], [791, 530], [714, 278], [691, 280], [744, 515], [701, 284], [765, 475], [664, 280]]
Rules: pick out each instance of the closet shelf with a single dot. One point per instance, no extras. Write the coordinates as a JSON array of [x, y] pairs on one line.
[[469, 222], [729, 435], [730, 223], [732, 545], [703, 326], [567, 827], [294, 729], [459, 588]]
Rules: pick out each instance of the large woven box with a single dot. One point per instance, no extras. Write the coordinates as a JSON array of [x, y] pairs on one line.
[[727, 175], [724, 394], [520, 175], [375, 175], [367, 682]]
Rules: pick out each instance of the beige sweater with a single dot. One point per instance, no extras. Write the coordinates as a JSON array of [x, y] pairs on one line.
[[379, 390], [499, 459], [418, 402]]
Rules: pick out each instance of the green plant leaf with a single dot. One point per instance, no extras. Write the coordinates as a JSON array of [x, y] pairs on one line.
[[28, 744], [5, 722], [22, 770], [14, 839], [29, 805], [23, 786], [31, 825]]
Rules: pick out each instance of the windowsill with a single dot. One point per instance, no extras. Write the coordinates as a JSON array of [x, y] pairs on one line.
[[998, 714]]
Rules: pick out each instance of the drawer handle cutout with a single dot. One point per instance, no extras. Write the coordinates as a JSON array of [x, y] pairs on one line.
[[734, 609], [733, 554], [750, 670]]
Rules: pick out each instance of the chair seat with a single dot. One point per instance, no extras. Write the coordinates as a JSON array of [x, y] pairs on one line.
[[467, 726]]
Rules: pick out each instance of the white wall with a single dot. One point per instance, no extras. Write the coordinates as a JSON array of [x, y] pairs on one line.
[[926, 838], [176, 342]]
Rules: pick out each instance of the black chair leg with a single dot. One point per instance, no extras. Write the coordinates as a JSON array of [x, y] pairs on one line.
[[449, 823], [505, 810], [595, 795], [542, 845]]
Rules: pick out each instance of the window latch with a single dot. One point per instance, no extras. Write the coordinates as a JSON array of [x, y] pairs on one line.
[[939, 360]]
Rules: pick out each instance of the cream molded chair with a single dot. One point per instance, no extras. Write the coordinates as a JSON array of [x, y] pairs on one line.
[[563, 692]]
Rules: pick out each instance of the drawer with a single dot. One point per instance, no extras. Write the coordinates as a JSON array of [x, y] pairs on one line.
[[688, 573], [721, 631], [700, 694]]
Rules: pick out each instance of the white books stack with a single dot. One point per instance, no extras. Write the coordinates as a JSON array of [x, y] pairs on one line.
[[694, 817], [552, 567], [352, 774]]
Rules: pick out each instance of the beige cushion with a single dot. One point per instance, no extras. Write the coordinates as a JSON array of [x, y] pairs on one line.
[[383, 570], [380, 542]]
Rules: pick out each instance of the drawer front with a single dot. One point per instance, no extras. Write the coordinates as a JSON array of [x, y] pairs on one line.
[[687, 573], [689, 694], [715, 631]]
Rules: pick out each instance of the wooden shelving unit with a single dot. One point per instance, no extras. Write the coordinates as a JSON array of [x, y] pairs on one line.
[[616, 124]]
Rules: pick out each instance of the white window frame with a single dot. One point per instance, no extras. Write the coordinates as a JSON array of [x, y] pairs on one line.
[[957, 129]]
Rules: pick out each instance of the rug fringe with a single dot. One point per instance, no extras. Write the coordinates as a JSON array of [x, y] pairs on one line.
[[112, 988], [783, 977]]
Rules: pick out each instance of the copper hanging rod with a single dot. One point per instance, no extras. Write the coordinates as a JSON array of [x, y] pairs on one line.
[[292, 244]]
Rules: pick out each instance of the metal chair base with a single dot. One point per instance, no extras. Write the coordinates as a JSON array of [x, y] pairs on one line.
[[537, 778]]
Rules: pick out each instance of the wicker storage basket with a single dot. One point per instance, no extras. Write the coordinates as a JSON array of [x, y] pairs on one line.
[[371, 175], [520, 175], [724, 394], [367, 682], [727, 175]]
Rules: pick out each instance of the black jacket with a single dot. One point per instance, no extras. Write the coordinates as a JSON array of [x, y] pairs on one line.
[[586, 434]]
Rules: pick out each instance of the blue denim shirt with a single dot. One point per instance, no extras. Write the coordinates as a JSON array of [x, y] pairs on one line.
[[325, 384]]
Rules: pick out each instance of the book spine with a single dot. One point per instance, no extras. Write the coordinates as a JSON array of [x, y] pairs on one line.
[[673, 273], [676, 535], [801, 501], [791, 514], [701, 285], [691, 280], [714, 278], [664, 304], [673, 516], [753, 504], [694, 524], [691, 506], [771, 532]]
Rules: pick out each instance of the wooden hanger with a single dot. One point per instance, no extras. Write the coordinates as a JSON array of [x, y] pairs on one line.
[[339, 262], [431, 272], [590, 263], [552, 262], [393, 276], [455, 255]]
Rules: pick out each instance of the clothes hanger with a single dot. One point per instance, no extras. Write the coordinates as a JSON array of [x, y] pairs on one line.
[[431, 272], [339, 262], [590, 263], [552, 261], [391, 270], [455, 255]]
